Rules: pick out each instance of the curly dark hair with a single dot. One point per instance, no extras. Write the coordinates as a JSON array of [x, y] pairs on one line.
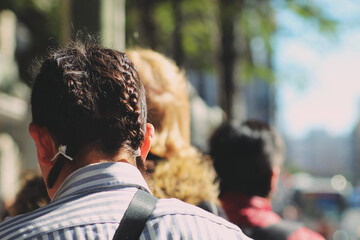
[[244, 157], [90, 96]]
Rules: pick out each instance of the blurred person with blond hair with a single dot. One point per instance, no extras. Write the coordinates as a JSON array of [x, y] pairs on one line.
[[177, 168], [248, 161]]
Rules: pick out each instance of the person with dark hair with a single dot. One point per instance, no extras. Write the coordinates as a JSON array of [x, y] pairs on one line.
[[248, 161], [92, 138]]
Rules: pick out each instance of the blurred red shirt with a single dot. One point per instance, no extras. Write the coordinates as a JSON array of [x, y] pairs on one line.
[[250, 212]]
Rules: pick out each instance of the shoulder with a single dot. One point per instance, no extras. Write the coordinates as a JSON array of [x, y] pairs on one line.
[[179, 208], [68, 213], [11, 227], [178, 219]]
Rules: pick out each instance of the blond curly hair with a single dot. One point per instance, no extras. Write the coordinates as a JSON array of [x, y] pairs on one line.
[[185, 174]]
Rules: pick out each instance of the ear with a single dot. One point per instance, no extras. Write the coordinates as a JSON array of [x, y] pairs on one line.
[[149, 134], [44, 143], [275, 178]]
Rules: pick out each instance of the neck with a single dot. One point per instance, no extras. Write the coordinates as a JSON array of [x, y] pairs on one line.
[[93, 156], [64, 173]]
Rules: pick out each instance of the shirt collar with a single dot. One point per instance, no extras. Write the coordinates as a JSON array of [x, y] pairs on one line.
[[100, 176]]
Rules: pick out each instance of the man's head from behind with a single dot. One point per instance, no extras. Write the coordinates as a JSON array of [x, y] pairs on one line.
[[88, 97], [247, 158]]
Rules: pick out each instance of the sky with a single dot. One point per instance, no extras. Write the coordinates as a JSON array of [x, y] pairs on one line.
[[319, 74]]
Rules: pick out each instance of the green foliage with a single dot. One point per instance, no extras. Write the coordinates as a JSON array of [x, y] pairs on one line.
[[49, 9], [249, 72], [161, 15], [52, 12], [164, 17], [256, 21], [40, 5], [198, 29], [310, 11], [132, 34], [328, 26], [166, 23]]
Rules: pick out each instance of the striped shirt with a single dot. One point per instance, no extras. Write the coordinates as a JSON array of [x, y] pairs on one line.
[[92, 200]]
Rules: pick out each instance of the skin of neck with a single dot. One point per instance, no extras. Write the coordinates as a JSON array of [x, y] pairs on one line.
[[69, 167]]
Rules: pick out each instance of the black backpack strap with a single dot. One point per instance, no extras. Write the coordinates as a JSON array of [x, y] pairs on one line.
[[135, 217], [278, 231]]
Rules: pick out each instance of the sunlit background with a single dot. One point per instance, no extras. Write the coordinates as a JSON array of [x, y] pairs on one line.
[[318, 73], [292, 63], [318, 102]]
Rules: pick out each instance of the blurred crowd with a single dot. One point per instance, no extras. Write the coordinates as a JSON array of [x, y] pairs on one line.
[[236, 180]]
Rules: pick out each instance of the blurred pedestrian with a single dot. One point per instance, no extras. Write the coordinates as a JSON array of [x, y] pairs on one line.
[[248, 162], [89, 126], [31, 196], [178, 170]]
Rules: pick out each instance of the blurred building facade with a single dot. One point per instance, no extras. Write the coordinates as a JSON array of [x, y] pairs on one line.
[[260, 101], [321, 154]]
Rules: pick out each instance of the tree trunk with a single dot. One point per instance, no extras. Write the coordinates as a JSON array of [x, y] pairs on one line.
[[148, 24], [228, 14], [178, 49]]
